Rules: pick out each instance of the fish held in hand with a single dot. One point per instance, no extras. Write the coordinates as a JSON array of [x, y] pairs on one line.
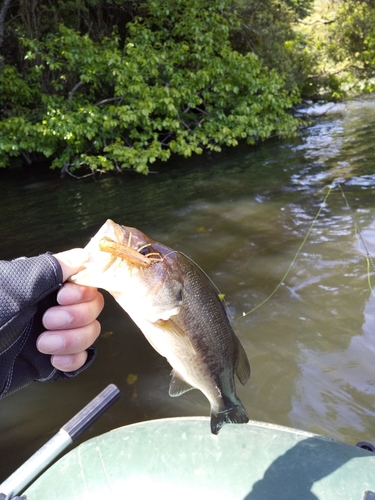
[[178, 310]]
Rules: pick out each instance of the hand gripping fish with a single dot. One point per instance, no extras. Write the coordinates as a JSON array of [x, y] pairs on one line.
[[178, 310]]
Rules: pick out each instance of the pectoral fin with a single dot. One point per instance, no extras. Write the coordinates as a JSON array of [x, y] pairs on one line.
[[176, 332], [167, 301], [178, 385]]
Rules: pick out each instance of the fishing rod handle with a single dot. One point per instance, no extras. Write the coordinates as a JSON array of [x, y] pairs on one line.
[[35, 464], [58, 443], [92, 411]]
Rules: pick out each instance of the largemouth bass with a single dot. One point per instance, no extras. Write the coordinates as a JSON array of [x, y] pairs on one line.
[[178, 310]]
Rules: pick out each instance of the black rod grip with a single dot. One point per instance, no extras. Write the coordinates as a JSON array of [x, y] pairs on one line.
[[92, 411]]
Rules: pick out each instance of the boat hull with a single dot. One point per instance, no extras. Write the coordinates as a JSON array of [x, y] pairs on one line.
[[180, 458]]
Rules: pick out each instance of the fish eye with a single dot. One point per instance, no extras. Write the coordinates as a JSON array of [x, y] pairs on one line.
[[144, 250]]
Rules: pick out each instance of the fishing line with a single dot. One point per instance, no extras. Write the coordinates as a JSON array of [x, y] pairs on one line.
[[370, 262], [359, 236], [295, 257], [219, 294]]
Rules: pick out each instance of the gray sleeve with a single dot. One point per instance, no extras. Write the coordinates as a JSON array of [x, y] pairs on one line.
[[28, 287]]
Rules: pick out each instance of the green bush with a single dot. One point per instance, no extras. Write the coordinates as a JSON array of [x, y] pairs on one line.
[[174, 86]]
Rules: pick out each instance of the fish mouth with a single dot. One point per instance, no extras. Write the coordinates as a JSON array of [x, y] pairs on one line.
[[140, 257], [128, 244], [116, 248]]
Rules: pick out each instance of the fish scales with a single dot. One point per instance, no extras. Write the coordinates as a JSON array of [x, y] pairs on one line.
[[204, 316], [178, 309]]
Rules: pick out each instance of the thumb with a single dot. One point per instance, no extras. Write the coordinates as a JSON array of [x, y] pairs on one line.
[[72, 261]]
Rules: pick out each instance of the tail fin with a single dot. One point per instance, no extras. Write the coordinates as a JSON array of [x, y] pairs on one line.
[[236, 414]]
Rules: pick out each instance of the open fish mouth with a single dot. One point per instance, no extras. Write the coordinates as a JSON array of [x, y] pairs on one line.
[[140, 257], [123, 243], [116, 247]]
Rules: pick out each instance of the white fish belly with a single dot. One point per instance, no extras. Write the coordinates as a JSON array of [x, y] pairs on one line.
[[182, 359]]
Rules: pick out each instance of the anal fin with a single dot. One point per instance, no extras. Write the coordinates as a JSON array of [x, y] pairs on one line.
[[178, 385]]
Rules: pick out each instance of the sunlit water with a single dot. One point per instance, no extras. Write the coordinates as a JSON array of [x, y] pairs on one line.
[[243, 216]]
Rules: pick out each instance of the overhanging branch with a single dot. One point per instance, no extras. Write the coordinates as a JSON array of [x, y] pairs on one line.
[[322, 21]]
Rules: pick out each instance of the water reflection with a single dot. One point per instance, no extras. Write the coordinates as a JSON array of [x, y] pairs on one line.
[[337, 386], [242, 216]]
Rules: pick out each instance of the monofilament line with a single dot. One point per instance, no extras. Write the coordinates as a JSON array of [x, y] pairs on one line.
[[358, 234], [295, 257]]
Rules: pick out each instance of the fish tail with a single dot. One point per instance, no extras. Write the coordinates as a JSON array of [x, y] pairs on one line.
[[236, 414]]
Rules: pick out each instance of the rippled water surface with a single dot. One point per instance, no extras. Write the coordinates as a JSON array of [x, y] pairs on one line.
[[243, 216]]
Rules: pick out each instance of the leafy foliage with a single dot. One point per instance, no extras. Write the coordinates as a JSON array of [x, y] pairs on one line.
[[340, 43], [352, 42], [115, 84], [267, 29], [324, 48], [174, 86]]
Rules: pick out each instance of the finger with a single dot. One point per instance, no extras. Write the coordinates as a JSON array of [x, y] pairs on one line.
[[74, 315], [71, 341], [69, 362], [71, 293], [72, 261]]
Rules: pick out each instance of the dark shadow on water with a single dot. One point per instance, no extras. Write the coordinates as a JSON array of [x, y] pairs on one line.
[[292, 475]]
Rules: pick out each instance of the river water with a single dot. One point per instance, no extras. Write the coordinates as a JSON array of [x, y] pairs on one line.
[[242, 216]]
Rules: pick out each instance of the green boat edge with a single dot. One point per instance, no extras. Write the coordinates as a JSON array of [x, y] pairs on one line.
[[179, 458]]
